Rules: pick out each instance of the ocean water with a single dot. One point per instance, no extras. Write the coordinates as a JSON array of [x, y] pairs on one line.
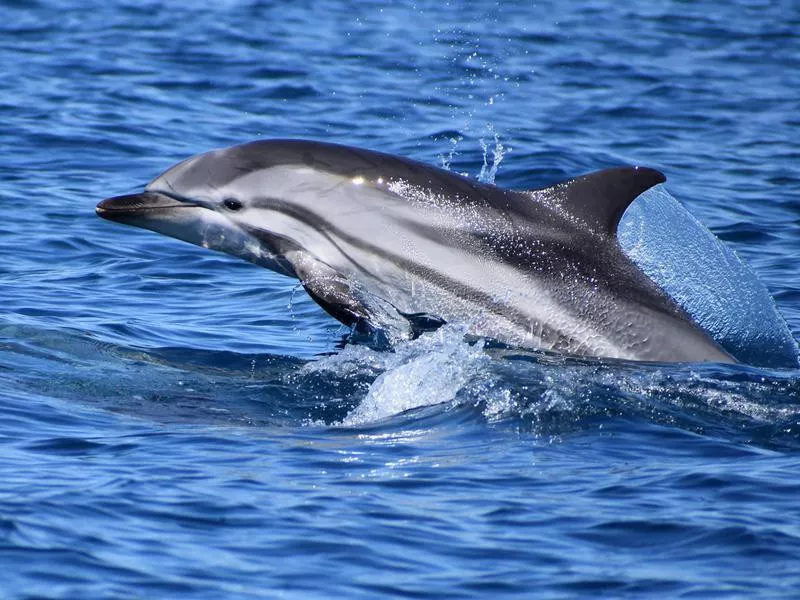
[[177, 423]]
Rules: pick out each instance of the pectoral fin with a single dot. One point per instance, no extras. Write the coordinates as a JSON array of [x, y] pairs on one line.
[[338, 296], [330, 289]]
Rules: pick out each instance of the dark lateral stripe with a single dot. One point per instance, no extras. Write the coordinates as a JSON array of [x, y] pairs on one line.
[[439, 279]]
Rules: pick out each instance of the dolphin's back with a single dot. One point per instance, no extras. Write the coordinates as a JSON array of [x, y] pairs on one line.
[[336, 159]]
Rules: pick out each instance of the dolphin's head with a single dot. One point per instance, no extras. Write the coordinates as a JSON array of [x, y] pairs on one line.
[[203, 200]]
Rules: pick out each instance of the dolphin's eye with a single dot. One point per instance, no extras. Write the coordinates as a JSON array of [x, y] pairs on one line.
[[232, 204]]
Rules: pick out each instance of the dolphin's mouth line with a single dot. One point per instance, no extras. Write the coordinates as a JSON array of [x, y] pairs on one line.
[[141, 203], [141, 209]]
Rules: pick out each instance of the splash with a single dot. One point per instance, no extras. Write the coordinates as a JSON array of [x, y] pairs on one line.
[[447, 159], [549, 396], [720, 292], [493, 154], [498, 151], [429, 370]]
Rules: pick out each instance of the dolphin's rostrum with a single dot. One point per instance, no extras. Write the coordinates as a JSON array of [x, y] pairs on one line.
[[394, 244]]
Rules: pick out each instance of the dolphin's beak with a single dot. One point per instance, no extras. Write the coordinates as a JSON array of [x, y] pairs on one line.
[[124, 209]]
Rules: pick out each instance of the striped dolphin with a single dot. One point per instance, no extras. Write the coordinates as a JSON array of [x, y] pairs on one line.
[[397, 245]]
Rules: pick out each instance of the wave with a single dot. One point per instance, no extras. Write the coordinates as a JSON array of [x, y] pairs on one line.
[[441, 375]]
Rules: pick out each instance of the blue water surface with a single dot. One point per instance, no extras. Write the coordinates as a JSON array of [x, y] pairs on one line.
[[177, 423]]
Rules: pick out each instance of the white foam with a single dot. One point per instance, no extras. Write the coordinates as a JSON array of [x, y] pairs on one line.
[[427, 371]]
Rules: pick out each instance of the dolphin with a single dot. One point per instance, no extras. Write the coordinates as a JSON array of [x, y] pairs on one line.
[[391, 244]]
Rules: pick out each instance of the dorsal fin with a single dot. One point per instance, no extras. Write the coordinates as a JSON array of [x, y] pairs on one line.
[[600, 198]]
